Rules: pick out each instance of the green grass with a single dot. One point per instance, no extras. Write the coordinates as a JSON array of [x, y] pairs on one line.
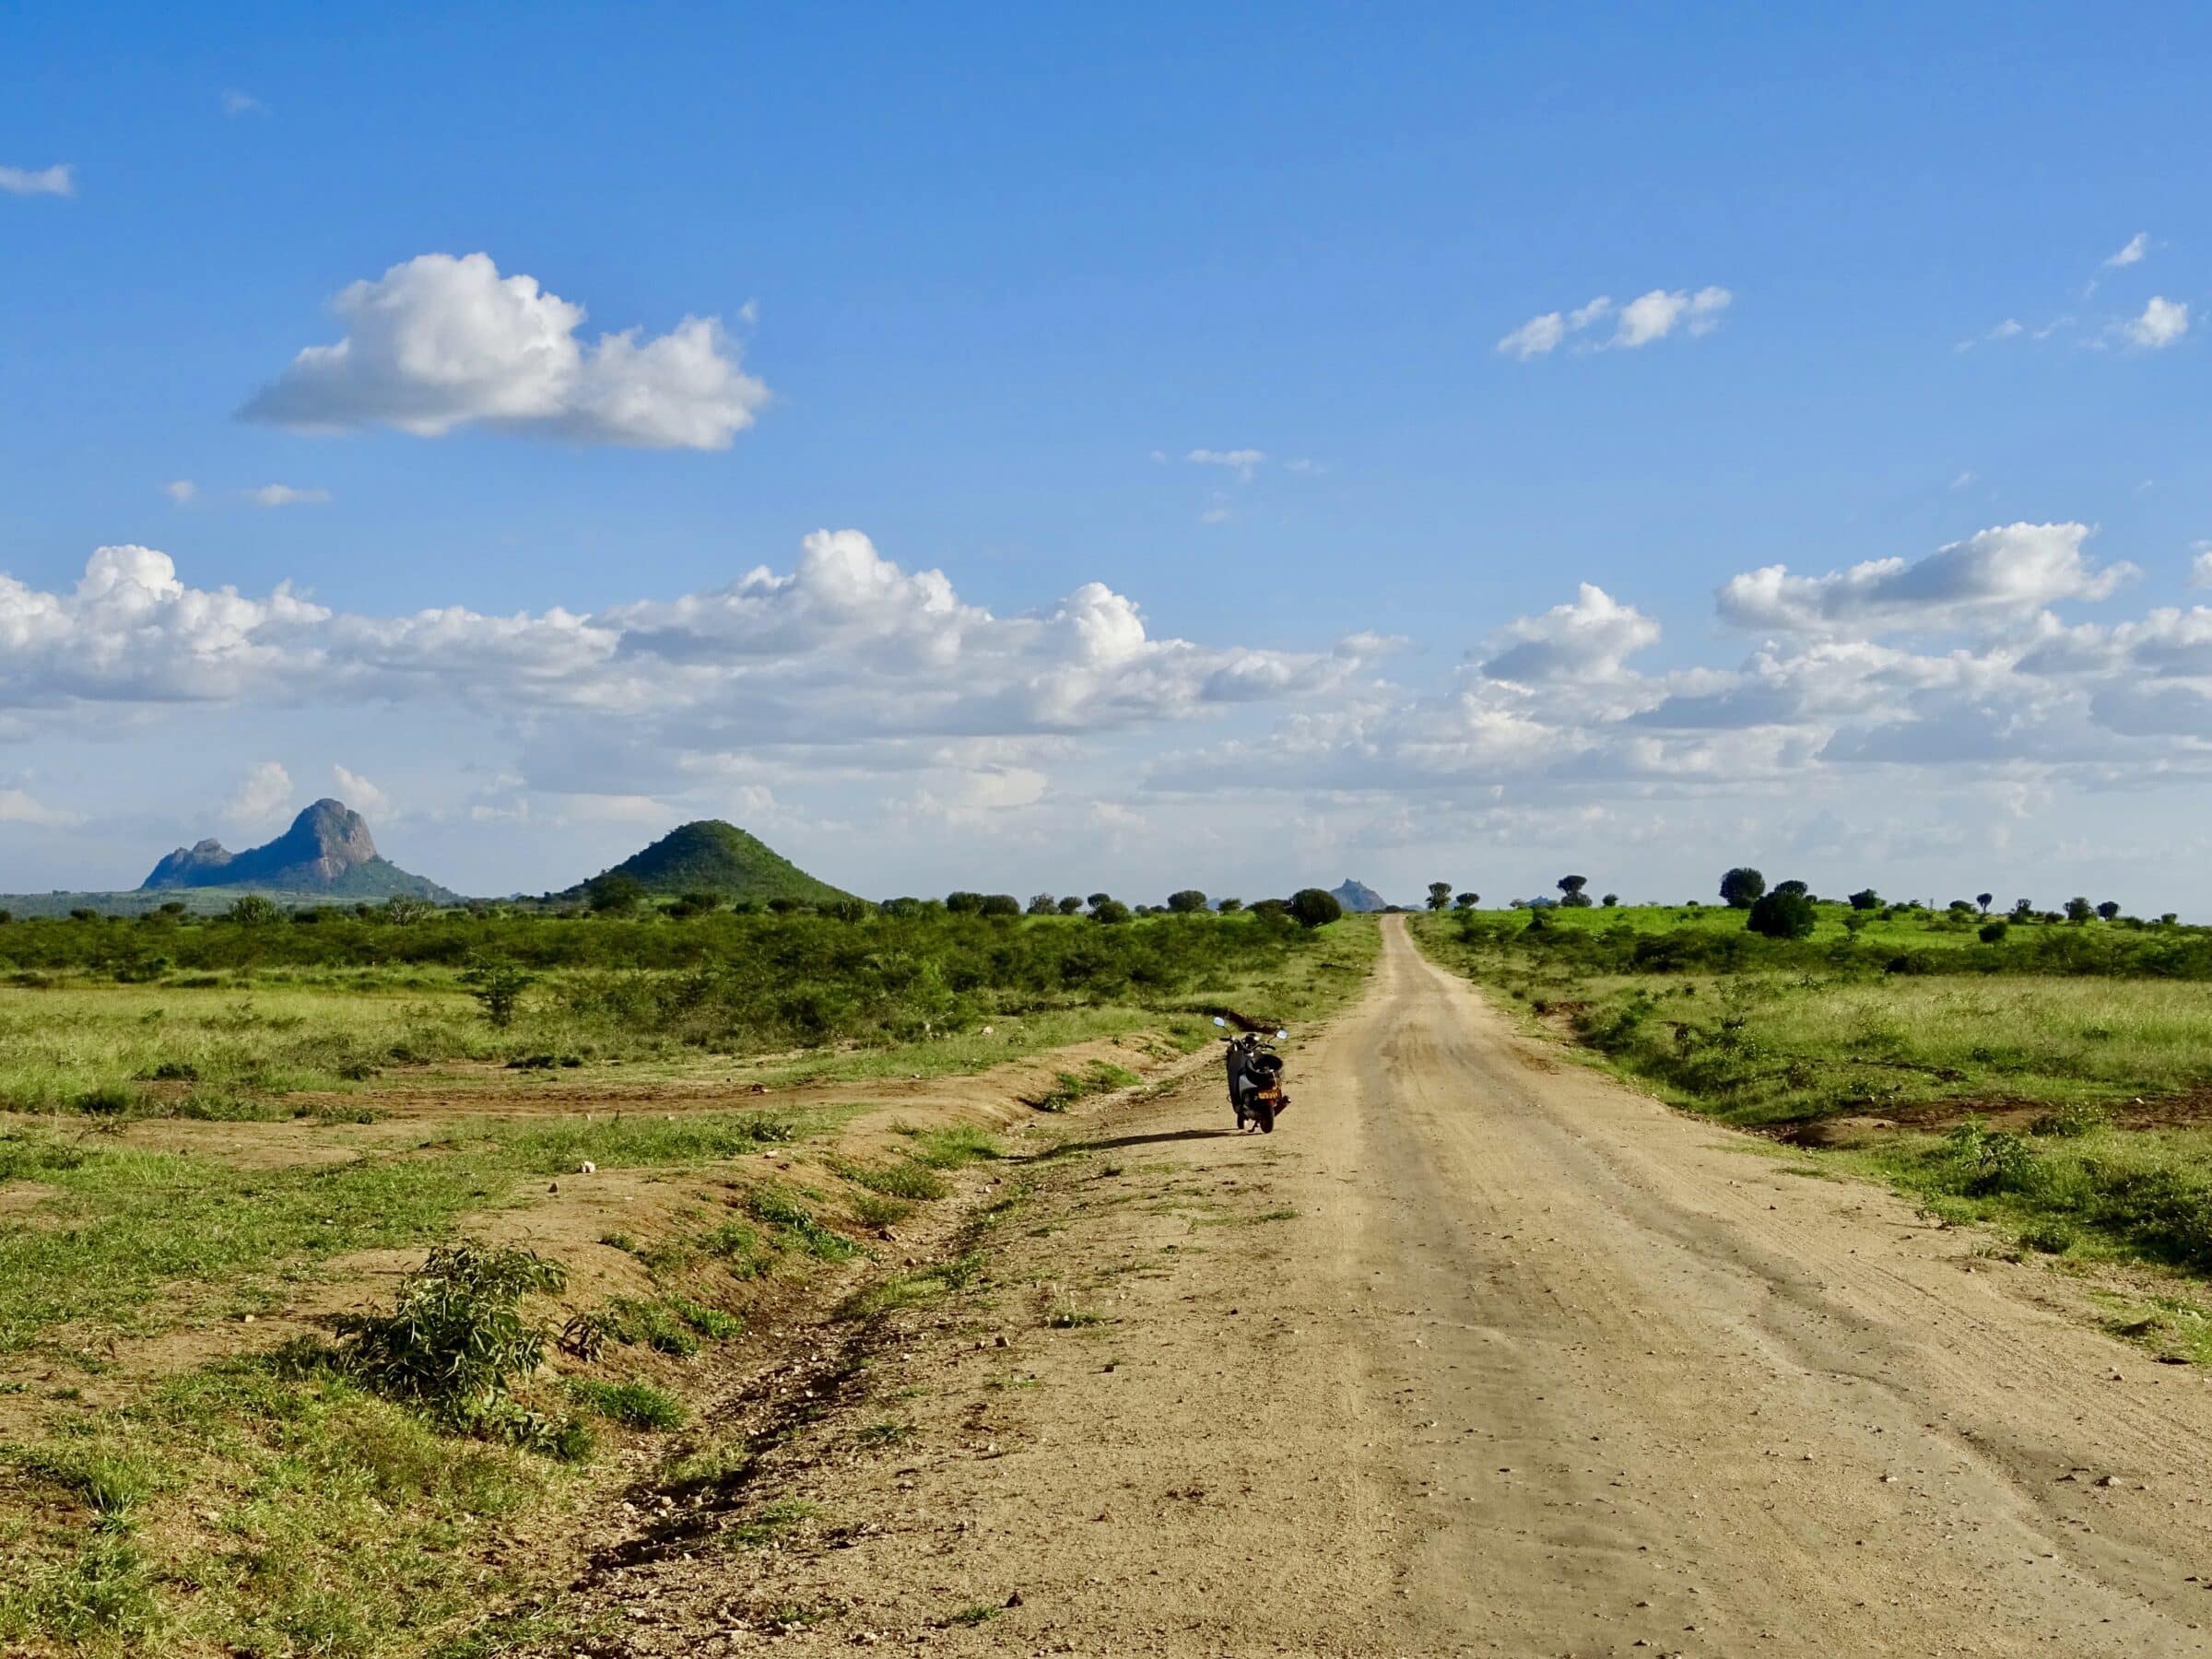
[[779, 1207], [295, 1514], [2109, 1193], [912, 1289], [167, 1051], [280, 1505], [124, 1225], [952, 1147], [907, 1178], [1789, 1036], [632, 1404], [1759, 1043], [1102, 1076], [671, 1325]]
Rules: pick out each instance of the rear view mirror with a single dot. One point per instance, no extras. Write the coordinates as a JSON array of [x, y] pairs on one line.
[[1219, 1021], [1282, 1034]]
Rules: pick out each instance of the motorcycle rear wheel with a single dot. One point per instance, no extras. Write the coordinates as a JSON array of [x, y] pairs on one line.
[[1263, 1112]]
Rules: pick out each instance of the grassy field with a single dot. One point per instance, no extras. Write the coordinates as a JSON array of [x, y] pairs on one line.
[[259, 1134], [2054, 1083], [208, 1018]]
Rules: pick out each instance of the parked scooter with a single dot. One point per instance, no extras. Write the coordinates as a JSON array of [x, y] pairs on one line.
[[1255, 1080]]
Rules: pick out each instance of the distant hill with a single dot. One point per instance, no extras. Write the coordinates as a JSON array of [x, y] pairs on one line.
[[328, 853], [1359, 896], [709, 856]]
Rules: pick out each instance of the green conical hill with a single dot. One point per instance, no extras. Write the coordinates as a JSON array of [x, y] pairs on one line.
[[709, 856]]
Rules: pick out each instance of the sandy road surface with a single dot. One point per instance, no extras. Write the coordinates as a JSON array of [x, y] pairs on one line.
[[1535, 1368]]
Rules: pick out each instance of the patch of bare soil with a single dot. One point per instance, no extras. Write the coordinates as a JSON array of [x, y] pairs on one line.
[[485, 1090]]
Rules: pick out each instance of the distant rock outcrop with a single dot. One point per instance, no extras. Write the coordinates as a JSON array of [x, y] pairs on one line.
[[1359, 896], [327, 850]]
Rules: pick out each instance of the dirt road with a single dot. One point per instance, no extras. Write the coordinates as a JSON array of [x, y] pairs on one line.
[[1481, 1353]]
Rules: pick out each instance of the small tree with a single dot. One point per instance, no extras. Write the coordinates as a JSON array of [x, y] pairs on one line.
[[964, 903], [1109, 910], [2079, 909], [1098, 899], [498, 987], [1783, 916], [1439, 895], [256, 909], [1045, 904], [1985, 900], [1070, 905], [1865, 899], [2107, 909], [614, 894], [1230, 906], [2023, 910], [1610, 901], [404, 910], [1466, 900], [1741, 887], [1187, 902], [1001, 904], [1993, 933], [1315, 907], [783, 904], [1572, 886], [1797, 888]]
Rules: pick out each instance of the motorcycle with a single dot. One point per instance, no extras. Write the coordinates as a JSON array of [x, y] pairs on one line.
[[1255, 1080]]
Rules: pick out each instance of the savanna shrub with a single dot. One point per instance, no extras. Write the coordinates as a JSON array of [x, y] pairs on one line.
[[1782, 915], [456, 1337]]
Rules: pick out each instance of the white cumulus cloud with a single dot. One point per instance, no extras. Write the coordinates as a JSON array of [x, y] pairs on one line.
[[360, 794], [1586, 640], [2162, 322], [2006, 570], [844, 649], [19, 807], [438, 343], [180, 490], [45, 181], [261, 796], [1654, 315]]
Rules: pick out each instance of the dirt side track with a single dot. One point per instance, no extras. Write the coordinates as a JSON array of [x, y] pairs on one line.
[[1536, 1367]]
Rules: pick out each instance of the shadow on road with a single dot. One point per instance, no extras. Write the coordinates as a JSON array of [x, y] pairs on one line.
[[1138, 1140]]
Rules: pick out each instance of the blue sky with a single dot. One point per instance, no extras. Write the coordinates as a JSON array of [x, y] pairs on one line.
[[983, 281]]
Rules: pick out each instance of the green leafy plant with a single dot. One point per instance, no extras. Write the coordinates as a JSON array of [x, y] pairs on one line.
[[457, 1338]]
